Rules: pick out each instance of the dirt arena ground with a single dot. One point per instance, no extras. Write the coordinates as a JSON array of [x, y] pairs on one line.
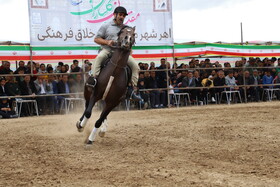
[[237, 145]]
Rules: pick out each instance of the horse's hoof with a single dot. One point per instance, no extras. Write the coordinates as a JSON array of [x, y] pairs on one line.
[[79, 128], [89, 142], [101, 134]]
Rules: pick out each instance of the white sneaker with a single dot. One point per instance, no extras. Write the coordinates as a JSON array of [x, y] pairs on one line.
[[213, 100]]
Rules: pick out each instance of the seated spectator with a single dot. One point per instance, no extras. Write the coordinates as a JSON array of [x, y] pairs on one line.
[[267, 79], [230, 81], [208, 84], [189, 82], [12, 88], [143, 94], [220, 81], [181, 76], [6, 110], [243, 82], [20, 71]]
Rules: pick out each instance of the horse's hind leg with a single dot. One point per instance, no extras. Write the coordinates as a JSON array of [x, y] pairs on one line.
[[99, 122], [103, 128], [86, 115]]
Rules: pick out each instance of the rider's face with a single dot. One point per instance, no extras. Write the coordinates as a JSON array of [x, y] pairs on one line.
[[120, 18]]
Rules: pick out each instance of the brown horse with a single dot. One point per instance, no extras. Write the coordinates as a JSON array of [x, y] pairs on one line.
[[111, 83]]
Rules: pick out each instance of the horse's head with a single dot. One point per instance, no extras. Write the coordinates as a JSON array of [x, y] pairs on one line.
[[126, 37]]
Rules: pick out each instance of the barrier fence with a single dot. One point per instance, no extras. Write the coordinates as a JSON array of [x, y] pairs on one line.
[[166, 89]]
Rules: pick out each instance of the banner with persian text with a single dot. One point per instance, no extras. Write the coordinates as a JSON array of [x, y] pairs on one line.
[[76, 22]]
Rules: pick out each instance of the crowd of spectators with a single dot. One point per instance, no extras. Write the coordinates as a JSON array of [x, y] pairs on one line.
[[198, 78], [45, 80]]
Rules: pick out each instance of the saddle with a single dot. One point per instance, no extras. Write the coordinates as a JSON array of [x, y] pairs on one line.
[[128, 73]]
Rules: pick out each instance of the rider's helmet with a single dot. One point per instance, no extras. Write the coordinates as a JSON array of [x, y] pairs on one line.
[[120, 9]]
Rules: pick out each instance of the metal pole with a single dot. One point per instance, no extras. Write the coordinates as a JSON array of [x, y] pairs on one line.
[[167, 84], [241, 26], [31, 59], [245, 89]]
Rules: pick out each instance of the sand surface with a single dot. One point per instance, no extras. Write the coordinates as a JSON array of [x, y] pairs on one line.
[[237, 145]]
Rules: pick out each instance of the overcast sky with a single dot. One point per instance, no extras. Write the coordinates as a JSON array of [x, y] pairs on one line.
[[193, 20]]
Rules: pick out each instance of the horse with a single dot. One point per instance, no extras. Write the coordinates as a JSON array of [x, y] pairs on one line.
[[111, 84]]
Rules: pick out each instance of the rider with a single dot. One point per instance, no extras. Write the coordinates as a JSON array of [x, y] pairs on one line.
[[106, 36]]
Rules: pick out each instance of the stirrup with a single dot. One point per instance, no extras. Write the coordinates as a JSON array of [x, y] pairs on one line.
[[92, 85]]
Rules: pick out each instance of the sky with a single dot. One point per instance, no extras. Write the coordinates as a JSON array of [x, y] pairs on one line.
[[193, 20]]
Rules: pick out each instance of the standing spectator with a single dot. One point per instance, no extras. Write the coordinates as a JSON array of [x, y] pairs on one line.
[[78, 85], [151, 83], [181, 76], [3, 87], [12, 88], [40, 85], [162, 82], [76, 67], [6, 68], [278, 66], [152, 66], [198, 81], [21, 65], [27, 87], [52, 89], [63, 69], [256, 90], [42, 68], [208, 84], [63, 87]]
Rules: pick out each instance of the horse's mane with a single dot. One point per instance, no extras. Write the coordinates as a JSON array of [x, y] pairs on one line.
[[126, 26]]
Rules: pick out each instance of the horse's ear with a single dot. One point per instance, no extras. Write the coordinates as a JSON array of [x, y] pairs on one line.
[[134, 28]]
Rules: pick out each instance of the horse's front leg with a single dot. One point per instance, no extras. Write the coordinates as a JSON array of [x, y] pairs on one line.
[[86, 115], [102, 118]]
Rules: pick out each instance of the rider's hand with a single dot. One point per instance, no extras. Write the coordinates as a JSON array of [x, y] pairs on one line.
[[110, 43]]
